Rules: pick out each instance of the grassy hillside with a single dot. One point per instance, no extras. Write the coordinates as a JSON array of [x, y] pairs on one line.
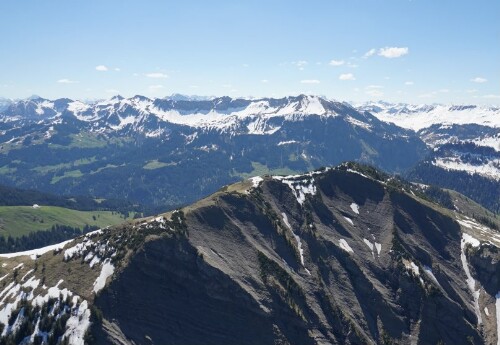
[[21, 220]]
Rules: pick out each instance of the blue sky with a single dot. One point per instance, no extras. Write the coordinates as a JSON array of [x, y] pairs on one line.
[[419, 51]]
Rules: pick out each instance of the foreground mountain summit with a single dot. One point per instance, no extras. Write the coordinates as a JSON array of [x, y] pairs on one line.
[[337, 256]]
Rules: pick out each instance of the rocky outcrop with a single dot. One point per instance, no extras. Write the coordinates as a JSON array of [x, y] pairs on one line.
[[351, 261]]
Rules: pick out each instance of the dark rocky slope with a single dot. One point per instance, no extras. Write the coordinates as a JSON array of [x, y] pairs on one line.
[[338, 256]]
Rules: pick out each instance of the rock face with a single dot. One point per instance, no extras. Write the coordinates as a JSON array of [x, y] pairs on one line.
[[338, 256], [357, 262]]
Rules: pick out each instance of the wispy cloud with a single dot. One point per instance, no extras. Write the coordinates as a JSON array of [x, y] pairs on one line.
[[300, 64], [393, 52], [479, 80], [101, 68], [336, 62], [157, 75], [310, 81], [67, 81], [347, 76], [408, 83], [369, 53], [264, 81], [491, 96]]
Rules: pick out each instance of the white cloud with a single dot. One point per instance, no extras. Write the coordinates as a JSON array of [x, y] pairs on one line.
[[264, 81], [67, 81], [310, 81], [479, 80], [491, 96], [472, 91], [156, 75], [245, 65], [101, 68], [369, 53], [301, 64], [393, 52], [117, 69], [347, 76], [194, 86], [374, 87], [336, 62], [409, 83], [444, 90], [155, 87]]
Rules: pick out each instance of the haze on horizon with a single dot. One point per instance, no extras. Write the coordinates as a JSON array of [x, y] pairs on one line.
[[418, 51]]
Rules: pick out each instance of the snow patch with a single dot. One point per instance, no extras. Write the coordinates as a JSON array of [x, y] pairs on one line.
[[106, 271], [355, 208], [300, 185], [370, 245], [430, 274], [345, 246], [77, 324], [256, 181], [471, 283], [490, 169], [297, 238], [36, 252], [287, 142], [349, 220]]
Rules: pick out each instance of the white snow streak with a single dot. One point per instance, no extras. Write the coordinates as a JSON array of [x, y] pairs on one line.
[[297, 238], [471, 283], [106, 271], [345, 246], [256, 181]]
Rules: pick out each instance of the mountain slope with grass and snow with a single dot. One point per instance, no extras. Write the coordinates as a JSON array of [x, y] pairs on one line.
[[344, 255]]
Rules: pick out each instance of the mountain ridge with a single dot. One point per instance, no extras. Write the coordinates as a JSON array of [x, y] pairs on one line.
[[343, 255]]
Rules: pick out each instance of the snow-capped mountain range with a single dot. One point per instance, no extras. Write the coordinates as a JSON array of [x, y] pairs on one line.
[[245, 135], [417, 117], [221, 113], [224, 112]]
